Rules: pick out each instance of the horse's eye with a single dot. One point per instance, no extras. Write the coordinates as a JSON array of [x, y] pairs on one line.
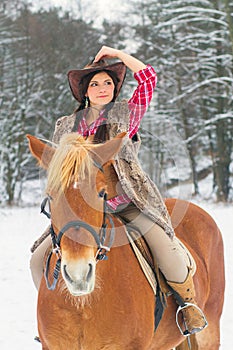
[[101, 193]]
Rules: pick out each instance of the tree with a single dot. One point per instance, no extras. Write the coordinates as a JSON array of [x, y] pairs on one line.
[[11, 115], [39, 49], [188, 42]]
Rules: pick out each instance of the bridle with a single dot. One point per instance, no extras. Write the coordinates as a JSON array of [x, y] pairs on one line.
[[100, 238]]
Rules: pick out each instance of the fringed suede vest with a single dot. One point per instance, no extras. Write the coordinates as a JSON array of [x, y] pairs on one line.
[[134, 181]]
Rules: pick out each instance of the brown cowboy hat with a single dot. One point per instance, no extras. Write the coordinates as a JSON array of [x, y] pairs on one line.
[[75, 76]]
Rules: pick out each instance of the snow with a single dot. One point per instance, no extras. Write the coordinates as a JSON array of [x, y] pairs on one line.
[[20, 226]]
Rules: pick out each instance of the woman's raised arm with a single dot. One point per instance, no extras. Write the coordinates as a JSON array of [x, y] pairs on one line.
[[131, 62]]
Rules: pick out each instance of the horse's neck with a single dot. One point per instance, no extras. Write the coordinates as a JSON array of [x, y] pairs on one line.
[[114, 186], [90, 138]]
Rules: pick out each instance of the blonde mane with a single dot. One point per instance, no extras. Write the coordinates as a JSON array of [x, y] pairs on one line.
[[71, 163]]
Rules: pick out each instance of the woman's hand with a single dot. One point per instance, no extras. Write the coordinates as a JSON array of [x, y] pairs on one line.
[[106, 52], [131, 62]]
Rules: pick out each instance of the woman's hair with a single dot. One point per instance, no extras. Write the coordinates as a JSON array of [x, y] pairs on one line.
[[102, 133]]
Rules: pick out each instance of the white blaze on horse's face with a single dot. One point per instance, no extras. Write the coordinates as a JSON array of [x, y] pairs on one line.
[[79, 275]]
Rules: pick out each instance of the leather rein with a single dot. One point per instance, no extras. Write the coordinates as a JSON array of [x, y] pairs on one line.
[[100, 237]]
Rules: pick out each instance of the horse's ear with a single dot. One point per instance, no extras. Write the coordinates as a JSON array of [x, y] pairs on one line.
[[41, 151], [121, 135], [106, 151]]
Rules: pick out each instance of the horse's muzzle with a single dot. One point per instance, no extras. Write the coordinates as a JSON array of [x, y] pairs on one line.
[[79, 277]]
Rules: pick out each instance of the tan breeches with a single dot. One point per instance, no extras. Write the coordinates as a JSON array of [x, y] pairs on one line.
[[37, 259], [171, 257]]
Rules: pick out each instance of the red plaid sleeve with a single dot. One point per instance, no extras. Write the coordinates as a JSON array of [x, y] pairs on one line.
[[139, 102]]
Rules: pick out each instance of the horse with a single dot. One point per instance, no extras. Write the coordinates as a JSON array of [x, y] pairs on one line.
[[101, 299]]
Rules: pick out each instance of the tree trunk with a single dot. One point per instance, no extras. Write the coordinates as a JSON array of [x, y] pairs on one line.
[[223, 141]]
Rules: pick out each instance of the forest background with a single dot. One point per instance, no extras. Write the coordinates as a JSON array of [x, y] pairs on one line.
[[188, 131]]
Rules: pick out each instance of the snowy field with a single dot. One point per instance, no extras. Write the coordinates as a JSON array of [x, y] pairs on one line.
[[20, 226]]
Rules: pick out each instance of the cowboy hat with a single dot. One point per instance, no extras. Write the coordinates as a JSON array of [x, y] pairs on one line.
[[75, 76]]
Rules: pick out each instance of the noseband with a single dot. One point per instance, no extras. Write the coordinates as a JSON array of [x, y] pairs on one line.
[[100, 238]]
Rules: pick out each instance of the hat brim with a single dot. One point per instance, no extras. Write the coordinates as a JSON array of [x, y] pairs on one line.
[[75, 76]]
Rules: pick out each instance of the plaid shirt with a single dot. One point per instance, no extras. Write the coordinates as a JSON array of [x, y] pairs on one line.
[[138, 105]]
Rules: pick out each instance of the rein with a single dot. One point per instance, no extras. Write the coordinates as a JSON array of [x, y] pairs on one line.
[[100, 238]]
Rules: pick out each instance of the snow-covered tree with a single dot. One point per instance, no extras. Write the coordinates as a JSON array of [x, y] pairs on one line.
[[39, 49], [11, 111], [190, 44]]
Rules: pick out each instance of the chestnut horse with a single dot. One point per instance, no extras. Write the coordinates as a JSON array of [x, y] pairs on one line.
[[110, 305]]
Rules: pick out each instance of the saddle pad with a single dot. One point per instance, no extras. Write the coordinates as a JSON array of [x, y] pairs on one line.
[[149, 273]]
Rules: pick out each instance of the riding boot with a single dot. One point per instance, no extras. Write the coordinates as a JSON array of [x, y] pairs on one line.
[[193, 318]]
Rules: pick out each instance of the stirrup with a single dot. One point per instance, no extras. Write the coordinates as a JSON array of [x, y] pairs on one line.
[[186, 332]]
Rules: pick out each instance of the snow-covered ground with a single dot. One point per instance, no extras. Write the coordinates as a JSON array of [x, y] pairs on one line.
[[18, 229]]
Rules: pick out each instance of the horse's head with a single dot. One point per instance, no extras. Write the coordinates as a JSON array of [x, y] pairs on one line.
[[76, 189]]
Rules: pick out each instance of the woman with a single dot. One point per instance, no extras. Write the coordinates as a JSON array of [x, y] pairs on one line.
[[135, 198]]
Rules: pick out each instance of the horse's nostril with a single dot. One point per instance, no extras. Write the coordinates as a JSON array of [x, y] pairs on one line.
[[67, 276], [90, 271], [79, 276]]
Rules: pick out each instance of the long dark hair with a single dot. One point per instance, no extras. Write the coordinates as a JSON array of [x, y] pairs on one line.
[[102, 133]]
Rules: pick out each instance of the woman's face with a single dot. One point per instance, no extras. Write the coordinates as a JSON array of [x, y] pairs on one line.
[[100, 89]]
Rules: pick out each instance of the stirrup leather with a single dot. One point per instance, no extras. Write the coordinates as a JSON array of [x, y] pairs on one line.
[[186, 332]]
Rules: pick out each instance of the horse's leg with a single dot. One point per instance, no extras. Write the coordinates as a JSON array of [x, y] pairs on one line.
[[209, 339], [44, 347], [185, 346], [43, 344]]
